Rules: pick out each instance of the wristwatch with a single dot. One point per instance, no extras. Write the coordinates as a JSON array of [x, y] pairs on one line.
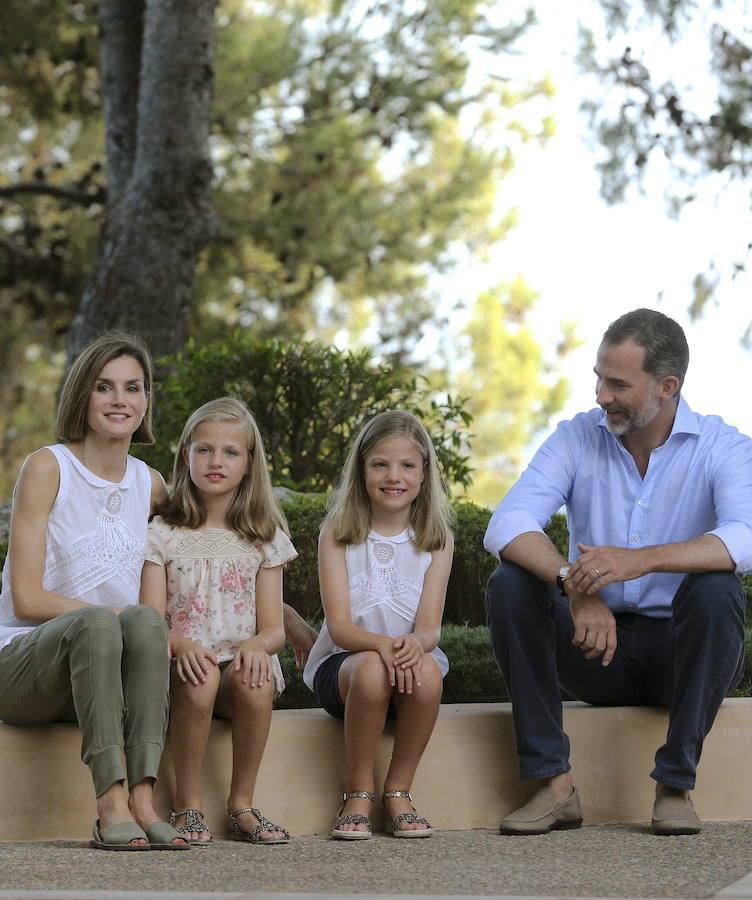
[[561, 577]]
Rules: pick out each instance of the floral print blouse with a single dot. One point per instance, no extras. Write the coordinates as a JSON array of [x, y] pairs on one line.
[[211, 583]]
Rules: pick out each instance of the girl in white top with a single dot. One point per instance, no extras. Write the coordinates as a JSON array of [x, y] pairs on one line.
[[385, 554], [214, 570], [74, 643]]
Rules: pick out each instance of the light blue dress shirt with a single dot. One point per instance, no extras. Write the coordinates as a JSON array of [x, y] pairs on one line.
[[698, 482]]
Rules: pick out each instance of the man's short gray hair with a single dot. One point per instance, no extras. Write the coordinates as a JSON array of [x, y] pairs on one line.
[[663, 340]]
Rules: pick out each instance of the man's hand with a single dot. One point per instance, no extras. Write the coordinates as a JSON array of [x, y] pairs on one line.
[[594, 626], [300, 635], [601, 566]]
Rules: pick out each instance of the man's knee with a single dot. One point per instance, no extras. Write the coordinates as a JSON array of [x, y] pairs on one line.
[[711, 595], [511, 589]]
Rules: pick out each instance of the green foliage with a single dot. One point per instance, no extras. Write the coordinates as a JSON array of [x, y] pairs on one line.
[[474, 675], [512, 388], [645, 118], [309, 402], [471, 568], [343, 180], [305, 513]]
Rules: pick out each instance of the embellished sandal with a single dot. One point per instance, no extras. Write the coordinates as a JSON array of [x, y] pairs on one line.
[[353, 819], [254, 837], [394, 827], [194, 821]]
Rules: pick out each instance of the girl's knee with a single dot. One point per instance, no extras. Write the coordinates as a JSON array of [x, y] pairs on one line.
[[368, 675], [199, 696], [242, 693], [430, 674]]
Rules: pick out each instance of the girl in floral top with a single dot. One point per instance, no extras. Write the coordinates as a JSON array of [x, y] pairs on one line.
[[214, 570]]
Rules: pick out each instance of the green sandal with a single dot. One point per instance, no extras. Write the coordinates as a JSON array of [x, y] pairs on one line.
[[161, 837], [118, 837]]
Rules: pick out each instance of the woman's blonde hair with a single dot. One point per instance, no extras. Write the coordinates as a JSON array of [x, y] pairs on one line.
[[350, 513], [71, 423], [254, 513]]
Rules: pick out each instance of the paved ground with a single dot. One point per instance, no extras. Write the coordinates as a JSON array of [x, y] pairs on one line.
[[596, 861]]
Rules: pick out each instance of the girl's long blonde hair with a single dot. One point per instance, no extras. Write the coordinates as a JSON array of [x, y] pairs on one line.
[[254, 513], [349, 515]]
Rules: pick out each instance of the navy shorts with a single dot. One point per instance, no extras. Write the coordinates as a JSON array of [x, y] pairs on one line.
[[326, 687]]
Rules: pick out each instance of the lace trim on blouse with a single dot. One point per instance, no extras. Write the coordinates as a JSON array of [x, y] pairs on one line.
[[214, 543], [383, 585], [110, 550]]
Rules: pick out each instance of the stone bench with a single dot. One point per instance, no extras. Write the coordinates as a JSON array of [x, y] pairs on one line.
[[468, 777]]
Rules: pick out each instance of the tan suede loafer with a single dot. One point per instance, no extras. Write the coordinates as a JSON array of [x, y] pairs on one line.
[[543, 813], [673, 812]]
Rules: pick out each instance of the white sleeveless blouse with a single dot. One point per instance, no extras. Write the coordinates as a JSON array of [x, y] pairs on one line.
[[96, 539], [385, 576]]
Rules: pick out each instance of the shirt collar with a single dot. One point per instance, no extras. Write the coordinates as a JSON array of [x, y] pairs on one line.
[[685, 420]]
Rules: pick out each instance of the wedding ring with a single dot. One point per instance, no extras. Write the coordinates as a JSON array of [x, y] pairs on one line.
[[595, 572]]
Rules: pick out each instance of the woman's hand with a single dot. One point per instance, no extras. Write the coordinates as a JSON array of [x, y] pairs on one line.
[[192, 661], [300, 634], [254, 662]]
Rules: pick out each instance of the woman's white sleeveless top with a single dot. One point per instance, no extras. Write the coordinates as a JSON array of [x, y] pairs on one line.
[[96, 539], [385, 576]]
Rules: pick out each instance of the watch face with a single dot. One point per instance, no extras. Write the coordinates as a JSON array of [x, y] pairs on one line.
[[563, 572]]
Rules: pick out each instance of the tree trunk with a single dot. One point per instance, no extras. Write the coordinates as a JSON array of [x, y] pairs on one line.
[[159, 215]]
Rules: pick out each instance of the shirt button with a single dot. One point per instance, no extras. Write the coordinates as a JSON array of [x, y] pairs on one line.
[[640, 502], [635, 537]]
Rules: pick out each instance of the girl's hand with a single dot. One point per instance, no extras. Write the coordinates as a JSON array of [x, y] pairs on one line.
[[255, 663], [192, 661], [386, 652], [408, 651]]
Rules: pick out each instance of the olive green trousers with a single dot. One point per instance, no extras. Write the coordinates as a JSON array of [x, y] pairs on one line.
[[109, 673]]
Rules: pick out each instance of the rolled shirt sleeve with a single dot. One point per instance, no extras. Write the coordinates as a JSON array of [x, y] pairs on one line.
[[542, 489], [730, 478]]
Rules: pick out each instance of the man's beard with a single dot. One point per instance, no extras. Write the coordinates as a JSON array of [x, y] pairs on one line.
[[635, 420]]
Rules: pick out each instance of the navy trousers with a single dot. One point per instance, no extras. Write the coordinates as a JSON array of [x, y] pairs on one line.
[[687, 662]]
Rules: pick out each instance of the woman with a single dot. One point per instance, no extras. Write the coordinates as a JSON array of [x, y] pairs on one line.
[[74, 643]]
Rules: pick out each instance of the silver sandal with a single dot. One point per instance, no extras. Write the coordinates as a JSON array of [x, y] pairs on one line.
[[194, 821], [353, 819], [254, 837], [394, 829]]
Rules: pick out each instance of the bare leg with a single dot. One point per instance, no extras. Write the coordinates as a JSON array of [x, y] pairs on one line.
[[112, 809], [190, 721], [251, 717], [416, 717], [141, 805], [365, 691]]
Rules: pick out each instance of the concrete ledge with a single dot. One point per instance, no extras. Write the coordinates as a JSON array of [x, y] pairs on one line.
[[468, 777]]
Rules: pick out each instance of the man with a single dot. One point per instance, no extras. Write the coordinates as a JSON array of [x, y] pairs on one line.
[[648, 611]]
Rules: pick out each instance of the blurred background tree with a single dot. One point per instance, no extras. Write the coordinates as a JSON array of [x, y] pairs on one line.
[[354, 147], [512, 389], [688, 128]]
